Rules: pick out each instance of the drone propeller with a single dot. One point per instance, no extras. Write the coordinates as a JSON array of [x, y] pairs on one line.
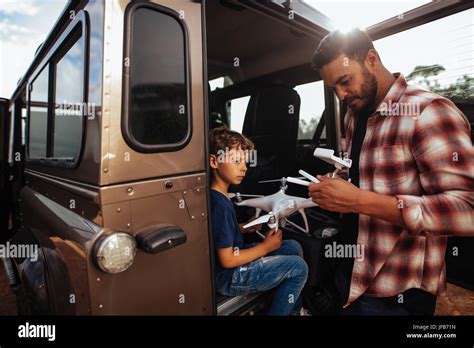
[[261, 220], [309, 176], [238, 194], [279, 180], [298, 181], [303, 182], [266, 218], [273, 180]]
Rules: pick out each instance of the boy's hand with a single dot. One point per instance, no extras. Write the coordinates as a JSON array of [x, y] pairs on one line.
[[272, 240], [250, 229]]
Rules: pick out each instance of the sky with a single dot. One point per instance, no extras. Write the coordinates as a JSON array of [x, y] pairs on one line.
[[24, 24]]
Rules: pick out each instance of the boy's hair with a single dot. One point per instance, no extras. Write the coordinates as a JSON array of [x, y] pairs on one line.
[[354, 44], [222, 138]]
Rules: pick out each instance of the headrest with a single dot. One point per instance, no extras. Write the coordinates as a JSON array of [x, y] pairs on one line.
[[272, 110]]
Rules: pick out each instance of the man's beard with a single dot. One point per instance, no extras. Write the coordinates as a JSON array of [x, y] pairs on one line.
[[368, 92]]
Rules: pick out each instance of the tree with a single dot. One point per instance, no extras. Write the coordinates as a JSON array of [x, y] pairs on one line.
[[422, 72], [306, 129], [463, 87]]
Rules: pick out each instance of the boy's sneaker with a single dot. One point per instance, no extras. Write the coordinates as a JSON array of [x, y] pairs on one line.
[[304, 312]]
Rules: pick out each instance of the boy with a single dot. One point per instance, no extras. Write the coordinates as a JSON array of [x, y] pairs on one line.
[[243, 269]]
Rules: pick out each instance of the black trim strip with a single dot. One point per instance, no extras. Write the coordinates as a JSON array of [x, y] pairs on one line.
[[206, 144], [88, 193]]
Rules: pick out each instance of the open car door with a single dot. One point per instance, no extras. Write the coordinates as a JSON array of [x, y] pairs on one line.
[[4, 173]]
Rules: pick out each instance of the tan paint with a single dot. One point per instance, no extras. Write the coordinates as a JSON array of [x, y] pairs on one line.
[[176, 281], [114, 167]]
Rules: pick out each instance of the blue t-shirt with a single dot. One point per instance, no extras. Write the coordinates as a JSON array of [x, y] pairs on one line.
[[225, 230]]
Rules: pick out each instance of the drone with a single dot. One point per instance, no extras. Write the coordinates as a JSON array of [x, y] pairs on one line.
[[280, 205]]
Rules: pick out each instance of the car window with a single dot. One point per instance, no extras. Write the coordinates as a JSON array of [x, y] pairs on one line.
[[311, 109], [158, 107], [56, 103], [437, 56], [38, 119], [236, 109], [69, 106], [220, 82]]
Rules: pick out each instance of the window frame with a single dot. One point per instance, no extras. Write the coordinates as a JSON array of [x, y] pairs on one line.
[[125, 122], [28, 113], [80, 24]]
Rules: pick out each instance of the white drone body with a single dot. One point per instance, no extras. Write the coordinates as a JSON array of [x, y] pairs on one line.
[[278, 205]]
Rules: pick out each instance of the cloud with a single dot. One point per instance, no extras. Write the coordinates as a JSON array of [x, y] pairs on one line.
[[25, 7], [10, 32], [23, 26]]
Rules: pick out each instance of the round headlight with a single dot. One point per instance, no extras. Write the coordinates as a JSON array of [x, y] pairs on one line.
[[115, 253]]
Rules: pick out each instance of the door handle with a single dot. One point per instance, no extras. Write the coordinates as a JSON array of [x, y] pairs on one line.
[[158, 239]]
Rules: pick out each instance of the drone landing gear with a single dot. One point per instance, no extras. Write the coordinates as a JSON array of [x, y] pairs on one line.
[[305, 220]]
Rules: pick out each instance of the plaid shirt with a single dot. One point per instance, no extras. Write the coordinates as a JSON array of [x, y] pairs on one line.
[[418, 148]]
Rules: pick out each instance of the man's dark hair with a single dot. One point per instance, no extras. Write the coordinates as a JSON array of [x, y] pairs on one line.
[[354, 44]]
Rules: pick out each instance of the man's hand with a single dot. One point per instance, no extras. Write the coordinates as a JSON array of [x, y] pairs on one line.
[[335, 195], [338, 173], [272, 240], [250, 229]]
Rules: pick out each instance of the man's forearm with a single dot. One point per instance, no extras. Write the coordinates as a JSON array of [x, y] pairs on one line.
[[379, 206]]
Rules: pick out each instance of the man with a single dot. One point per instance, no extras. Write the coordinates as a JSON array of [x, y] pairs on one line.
[[412, 181]]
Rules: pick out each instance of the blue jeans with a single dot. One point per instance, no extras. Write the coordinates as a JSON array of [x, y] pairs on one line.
[[283, 269]]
